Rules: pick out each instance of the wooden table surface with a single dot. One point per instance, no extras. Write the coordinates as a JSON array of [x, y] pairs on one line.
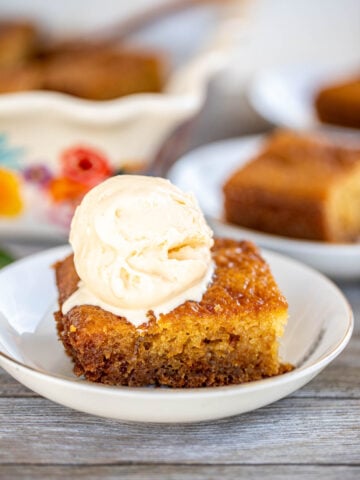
[[314, 433]]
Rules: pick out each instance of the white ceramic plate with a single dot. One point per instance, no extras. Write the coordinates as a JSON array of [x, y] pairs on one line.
[[319, 327], [285, 96], [205, 170]]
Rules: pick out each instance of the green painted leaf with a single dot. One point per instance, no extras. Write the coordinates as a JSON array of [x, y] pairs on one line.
[[5, 258]]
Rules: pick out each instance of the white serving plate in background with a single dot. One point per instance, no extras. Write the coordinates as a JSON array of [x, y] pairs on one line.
[[319, 327], [204, 171], [285, 95]]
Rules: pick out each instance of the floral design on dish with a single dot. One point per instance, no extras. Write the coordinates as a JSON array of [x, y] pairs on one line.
[[52, 193], [11, 203], [81, 168], [10, 157], [38, 174], [85, 166]]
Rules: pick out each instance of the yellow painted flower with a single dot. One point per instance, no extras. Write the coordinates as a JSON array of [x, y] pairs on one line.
[[11, 203]]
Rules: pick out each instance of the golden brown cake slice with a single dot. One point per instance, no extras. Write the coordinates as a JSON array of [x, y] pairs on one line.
[[95, 71], [21, 78], [230, 336], [340, 104], [298, 186], [18, 41], [102, 73]]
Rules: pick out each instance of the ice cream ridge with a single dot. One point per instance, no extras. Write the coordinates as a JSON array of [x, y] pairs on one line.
[[140, 244]]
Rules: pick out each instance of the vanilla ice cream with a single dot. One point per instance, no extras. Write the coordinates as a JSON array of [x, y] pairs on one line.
[[140, 244]]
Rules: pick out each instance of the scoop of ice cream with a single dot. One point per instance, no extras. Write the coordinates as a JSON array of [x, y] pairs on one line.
[[139, 241]]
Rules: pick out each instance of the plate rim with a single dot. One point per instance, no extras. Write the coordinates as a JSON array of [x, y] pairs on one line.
[[153, 393], [255, 91], [255, 95]]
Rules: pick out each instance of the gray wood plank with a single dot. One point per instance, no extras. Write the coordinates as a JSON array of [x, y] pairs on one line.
[[351, 290], [340, 379], [294, 430], [9, 387], [181, 472]]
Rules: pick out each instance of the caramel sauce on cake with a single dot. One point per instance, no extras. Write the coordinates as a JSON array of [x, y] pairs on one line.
[[230, 336]]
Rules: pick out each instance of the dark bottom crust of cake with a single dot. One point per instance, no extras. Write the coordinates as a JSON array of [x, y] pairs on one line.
[[163, 371], [230, 337], [266, 212], [338, 107]]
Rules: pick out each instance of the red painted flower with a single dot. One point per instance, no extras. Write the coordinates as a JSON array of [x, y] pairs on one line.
[[85, 165]]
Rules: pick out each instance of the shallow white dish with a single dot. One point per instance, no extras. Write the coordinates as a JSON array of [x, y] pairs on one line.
[[285, 96], [205, 170], [319, 327]]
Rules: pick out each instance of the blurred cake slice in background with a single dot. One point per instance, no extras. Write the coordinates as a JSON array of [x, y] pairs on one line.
[[87, 69], [18, 40], [339, 103], [298, 186], [19, 78], [100, 72]]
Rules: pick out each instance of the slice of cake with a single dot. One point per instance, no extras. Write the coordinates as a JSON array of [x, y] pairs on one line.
[[298, 186], [339, 104], [103, 73], [90, 70], [21, 78], [144, 301], [230, 336], [18, 41]]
